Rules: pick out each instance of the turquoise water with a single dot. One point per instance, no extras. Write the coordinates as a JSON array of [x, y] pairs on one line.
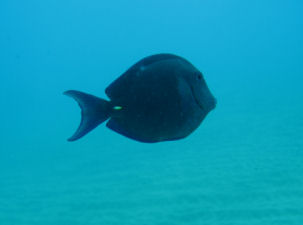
[[243, 166]]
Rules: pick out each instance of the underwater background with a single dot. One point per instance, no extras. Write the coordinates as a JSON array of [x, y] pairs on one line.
[[242, 166]]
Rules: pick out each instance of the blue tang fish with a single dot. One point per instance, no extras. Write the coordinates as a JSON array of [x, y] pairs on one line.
[[162, 97]]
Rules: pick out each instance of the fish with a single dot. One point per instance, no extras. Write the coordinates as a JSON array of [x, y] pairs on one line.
[[162, 97]]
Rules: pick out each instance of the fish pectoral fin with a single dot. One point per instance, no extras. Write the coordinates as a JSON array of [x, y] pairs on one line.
[[94, 111]]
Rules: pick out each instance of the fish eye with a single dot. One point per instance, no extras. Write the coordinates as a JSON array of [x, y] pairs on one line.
[[199, 76]]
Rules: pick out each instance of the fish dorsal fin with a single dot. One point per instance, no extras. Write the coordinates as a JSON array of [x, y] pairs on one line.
[[122, 83]]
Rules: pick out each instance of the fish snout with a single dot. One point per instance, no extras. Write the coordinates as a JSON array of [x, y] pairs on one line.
[[213, 103]]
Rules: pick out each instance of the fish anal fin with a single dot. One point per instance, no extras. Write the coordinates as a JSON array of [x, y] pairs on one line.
[[115, 125]]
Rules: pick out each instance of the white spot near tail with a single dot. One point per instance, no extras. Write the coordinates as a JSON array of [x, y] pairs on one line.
[[117, 107]]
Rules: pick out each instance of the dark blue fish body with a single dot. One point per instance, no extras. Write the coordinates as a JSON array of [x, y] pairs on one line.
[[162, 97]]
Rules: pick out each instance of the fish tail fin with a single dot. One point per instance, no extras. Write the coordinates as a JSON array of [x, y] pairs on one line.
[[94, 111]]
